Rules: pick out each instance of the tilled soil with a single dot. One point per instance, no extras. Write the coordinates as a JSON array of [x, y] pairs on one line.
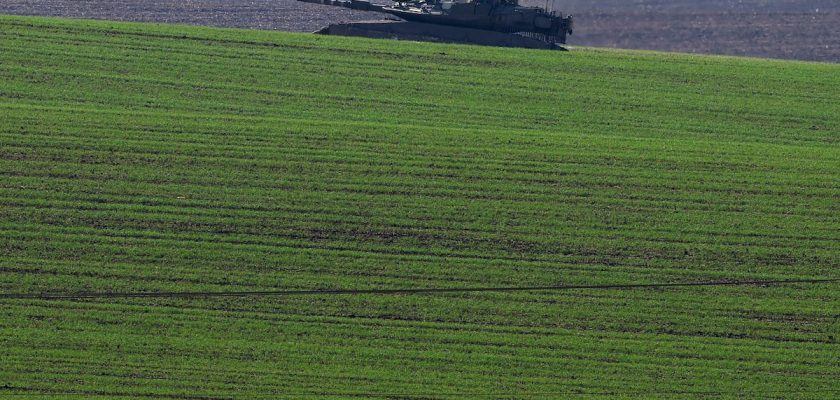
[[791, 29], [285, 15]]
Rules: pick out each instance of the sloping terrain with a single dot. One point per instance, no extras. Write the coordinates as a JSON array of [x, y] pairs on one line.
[[146, 158], [790, 29]]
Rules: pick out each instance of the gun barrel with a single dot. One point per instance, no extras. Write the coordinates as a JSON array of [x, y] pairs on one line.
[[362, 5]]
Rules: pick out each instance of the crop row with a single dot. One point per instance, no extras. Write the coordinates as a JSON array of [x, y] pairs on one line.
[[137, 158]]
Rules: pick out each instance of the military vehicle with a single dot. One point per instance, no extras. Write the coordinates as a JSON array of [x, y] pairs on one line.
[[484, 22]]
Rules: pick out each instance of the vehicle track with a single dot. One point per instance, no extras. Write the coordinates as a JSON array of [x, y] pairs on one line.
[[327, 292]]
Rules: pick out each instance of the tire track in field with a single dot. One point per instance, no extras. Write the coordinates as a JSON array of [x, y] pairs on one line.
[[102, 295]]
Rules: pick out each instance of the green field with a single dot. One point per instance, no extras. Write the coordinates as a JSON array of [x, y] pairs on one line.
[[140, 158]]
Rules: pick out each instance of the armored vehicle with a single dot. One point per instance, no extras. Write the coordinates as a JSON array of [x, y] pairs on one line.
[[485, 22]]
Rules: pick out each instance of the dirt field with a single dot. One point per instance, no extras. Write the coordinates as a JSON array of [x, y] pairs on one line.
[[792, 29]]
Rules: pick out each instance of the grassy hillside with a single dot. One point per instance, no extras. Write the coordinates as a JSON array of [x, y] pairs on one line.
[[167, 158]]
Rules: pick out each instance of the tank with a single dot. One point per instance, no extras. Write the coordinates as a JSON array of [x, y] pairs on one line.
[[485, 22]]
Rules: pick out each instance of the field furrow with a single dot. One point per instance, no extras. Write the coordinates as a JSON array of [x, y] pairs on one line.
[[142, 158]]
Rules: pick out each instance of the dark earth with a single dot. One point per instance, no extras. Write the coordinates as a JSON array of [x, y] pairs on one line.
[[790, 29]]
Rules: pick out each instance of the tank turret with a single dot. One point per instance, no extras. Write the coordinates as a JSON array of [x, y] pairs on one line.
[[428, 19]]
